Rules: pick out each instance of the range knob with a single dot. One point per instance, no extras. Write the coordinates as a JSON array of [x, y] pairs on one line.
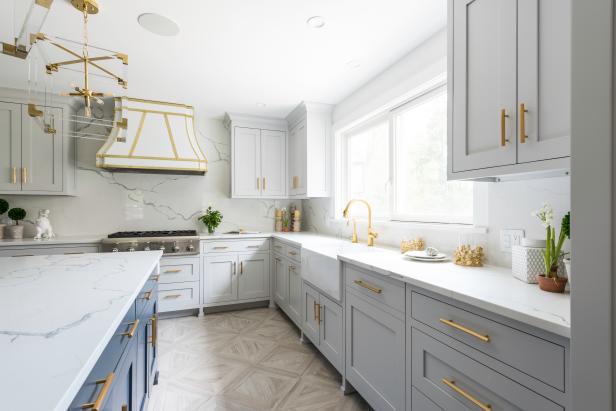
[[147, 247], [175, 248], [131, 249], [115, 250], [162, 248], [190, 248]]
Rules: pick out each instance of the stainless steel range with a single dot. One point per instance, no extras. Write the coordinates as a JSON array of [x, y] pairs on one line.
[[175, 242]]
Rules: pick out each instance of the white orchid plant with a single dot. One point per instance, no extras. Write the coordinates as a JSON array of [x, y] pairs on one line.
[[553, 249]]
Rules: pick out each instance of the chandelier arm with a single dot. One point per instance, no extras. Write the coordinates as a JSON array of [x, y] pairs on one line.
[[104, 70], [69, 62]]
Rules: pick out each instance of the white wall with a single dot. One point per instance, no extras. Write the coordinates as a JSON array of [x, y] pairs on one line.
[[108, 202], [498, 205]]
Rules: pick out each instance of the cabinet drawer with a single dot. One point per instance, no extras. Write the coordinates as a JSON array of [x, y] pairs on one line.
[[25, 252], [456, 382], [293, 253], [178, 296], [177, 270], [376, 287], [279, 247], [225, 246], [506, 344], [147, 294]]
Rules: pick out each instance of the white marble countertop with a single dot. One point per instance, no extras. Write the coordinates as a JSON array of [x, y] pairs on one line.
[[491, 288], [92, 239], [58, 314]]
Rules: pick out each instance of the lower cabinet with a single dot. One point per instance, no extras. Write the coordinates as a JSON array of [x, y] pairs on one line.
[[122, 378], [295, 292], [375, 341], [281, 288], [288, 287], [323, 324], [180, 279], [235, 277]]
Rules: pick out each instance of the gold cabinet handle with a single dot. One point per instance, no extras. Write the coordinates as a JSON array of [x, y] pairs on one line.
[[263, 183], [147, 295], [154, 320], [220, 248], [24, 175], [97, 405], [523, 111], [292, 268], [173, 271], [14, 175], [293, 252], [241, 267], [452, 384], [172, 296], [252, 246], [484, 338], [74, 252], [319, 311], [295, 181], [504, 139], [23, 255], [131, 333], [314, 309], [258, 183], [155, 277], [369, 287]]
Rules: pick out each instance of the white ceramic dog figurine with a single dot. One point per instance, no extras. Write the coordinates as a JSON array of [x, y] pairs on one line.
[[43, 226]]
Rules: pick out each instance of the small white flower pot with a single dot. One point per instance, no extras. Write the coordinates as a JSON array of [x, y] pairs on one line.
[[14, 231]]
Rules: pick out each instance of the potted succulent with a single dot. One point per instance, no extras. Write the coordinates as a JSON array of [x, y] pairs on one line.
[[4, 206], [16, 231], [211, 219], [552, 255]]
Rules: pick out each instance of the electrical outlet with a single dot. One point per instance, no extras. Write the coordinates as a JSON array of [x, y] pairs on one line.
[[510, 238]]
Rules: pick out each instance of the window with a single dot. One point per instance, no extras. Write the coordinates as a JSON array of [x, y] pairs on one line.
[[398, 162]]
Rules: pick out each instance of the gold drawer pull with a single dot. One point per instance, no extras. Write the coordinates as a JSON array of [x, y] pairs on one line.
[[504, 139], [452, 384], [263, 183], [523, 111], [174, 271], [484, 338], [252, 246], [314, 308], [147, 295], [131, 333], [258, 183], [154, 330], [367, 286], [97, 405], [74, 252], [14, 175], [23, 255], [155, 277], [220, 248], [24, 175], [293, 252], [172, 296]]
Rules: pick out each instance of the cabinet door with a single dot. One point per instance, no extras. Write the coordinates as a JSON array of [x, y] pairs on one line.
[[298, 155], [310, 312], [273, 163], [246, 162], [141, 388], [254, 275], [374, 353], [220, 278], [544, 76], [42, 158], [484, 84], [10, 146], [331, 331], [295, 293], [123, 396], [281, 295]]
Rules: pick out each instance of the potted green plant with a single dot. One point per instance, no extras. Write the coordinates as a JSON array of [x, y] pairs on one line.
[[16, 231], [211, 219], [4, 206], [552, 255]]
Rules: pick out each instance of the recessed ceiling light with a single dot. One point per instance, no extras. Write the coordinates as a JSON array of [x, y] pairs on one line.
[[261, 105], [157, 24], [353, 64], [316, 22]]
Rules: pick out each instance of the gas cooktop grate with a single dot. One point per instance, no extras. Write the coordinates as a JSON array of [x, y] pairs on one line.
[[141, 234]]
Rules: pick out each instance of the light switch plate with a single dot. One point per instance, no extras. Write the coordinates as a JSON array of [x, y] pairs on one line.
[[510, 238]]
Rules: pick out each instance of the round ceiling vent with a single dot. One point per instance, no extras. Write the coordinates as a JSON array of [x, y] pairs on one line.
[[157, 24]]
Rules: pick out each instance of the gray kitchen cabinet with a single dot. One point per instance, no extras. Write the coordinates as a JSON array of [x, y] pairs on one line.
[[220, 276], [10, 147], [33, 161], [253, 275], [509, 110], [295, 293], [375, 351], [323, 324], [456, 382], [281, 275]]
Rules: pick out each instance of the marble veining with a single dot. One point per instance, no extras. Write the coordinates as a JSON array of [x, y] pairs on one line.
[[60, 313]]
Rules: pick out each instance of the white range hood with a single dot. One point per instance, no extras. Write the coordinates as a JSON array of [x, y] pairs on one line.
[[152, 136]]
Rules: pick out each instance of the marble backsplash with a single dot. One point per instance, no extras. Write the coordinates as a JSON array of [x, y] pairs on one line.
[[106, 202]]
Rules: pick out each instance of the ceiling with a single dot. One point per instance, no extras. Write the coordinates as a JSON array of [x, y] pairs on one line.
[[232, 55]]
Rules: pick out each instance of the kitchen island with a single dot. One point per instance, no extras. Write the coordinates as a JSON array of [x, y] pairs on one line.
[[59, 314]]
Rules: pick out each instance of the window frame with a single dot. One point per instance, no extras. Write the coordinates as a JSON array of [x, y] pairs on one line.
[[390, 114]]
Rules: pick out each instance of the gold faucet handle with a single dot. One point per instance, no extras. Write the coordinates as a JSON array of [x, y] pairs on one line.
[[373, 234]]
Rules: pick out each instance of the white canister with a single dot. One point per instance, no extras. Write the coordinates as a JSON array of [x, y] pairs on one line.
[[527, 263]]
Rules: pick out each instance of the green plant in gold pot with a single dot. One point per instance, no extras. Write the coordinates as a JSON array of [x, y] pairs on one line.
[[552, 255], [211, 219]]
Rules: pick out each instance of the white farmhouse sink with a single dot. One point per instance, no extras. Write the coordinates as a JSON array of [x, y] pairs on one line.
[[321, 268]]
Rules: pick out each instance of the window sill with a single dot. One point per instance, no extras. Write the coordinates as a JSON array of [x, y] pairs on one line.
[[420, 226]]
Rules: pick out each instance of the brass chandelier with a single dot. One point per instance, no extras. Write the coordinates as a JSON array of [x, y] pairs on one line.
[[84, 59]]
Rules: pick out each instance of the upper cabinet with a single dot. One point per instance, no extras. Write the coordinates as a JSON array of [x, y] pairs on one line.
[[258, 157], [509, 87], [33, 161], [310, 146]]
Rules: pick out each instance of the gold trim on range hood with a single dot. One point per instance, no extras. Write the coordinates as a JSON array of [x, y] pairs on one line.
[[152, 136]]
